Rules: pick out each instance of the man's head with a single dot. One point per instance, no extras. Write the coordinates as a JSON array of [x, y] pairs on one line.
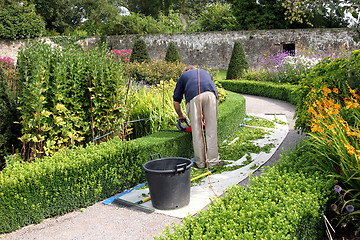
[[187, 68]]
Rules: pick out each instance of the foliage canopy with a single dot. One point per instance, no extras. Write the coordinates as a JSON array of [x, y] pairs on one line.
[[19, 20]]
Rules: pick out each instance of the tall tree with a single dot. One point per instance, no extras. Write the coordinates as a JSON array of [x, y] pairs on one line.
[[258, 14], [146, 7], [272, 14], [59, 14], [18, 19], [305, 10], [62, 14]]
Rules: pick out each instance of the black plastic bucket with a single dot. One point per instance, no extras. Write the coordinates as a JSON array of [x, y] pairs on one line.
[[169, 181]]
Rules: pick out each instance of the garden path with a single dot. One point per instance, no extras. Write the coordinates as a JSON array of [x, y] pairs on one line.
[[101, 221]]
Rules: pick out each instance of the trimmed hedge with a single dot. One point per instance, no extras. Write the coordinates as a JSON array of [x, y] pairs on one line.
[[172, 54], [238, 62], [30, 192], [140, 52], [286, 202], [73, 179], [266, 89]]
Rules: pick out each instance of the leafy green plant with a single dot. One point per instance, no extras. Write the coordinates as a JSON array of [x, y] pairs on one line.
[[336, 141], [172, 54], [154, 105], [153, 72], [9, 131], [71, 96], [139, 51], [238, 62], [67, 181], [354, 70]]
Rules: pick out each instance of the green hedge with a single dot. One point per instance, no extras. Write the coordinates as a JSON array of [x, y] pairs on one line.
[[286, 202], [266, 89], [31, 192]]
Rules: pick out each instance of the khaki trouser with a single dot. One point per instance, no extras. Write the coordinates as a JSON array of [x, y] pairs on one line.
[[209, 105]]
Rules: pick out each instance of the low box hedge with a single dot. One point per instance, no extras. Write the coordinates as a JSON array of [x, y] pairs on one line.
[[285, 202], [73, 179], [266, 89]]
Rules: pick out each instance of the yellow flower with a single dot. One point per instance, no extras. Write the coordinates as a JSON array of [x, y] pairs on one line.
[[335, 90]]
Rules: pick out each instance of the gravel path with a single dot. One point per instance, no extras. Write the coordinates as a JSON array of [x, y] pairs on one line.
[[101, 221]]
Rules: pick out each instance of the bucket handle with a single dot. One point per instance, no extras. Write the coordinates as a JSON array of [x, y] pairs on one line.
[[180, 168], [151, 156]]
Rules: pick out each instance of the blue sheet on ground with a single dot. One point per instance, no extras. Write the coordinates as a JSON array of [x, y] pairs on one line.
[[110, 200]]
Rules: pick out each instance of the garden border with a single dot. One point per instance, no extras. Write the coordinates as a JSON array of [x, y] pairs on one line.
[[74, 179]]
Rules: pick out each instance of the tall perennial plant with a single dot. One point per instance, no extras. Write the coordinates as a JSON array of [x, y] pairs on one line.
[[336, 142], [69, 97]]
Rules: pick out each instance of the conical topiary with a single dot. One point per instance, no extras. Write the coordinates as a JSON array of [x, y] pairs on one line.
[[172, 54], [238, 62], [139, 52]]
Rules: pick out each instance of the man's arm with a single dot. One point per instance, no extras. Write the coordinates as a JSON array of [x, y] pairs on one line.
[[178, 110]]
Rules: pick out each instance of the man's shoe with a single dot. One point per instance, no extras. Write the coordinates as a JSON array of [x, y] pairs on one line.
[[220, 164]]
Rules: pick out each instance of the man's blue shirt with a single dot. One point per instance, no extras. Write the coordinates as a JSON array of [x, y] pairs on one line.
[[188, 84]]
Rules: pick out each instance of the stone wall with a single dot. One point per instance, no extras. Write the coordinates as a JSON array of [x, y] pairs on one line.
[[213, 49], [10, 48]]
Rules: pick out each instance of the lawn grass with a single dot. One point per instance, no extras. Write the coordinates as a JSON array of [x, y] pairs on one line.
[[221, 75]]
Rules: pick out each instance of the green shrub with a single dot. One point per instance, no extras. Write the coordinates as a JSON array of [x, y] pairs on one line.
[[67, 181], [283, 92], [238, 62], [9, 130], [172, 54], [285, 202], [19, 20], [153, 72], [139, 52], [234, 106], [354, 70]]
